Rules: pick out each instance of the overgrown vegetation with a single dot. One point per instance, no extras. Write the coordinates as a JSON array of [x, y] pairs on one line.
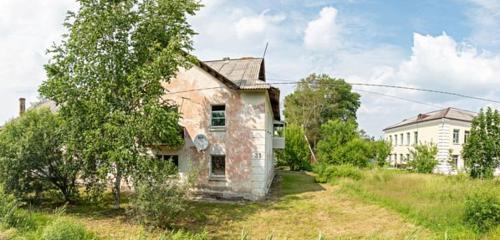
[[63, 229], [296, 154], [452, 206], [423, 158], [31, 156], [329, 173], [482, 149]]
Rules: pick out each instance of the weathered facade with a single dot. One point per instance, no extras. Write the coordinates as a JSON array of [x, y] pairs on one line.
[[447, 128], [229, 102]]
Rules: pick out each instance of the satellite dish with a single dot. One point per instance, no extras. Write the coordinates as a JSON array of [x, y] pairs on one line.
[[201, 142]]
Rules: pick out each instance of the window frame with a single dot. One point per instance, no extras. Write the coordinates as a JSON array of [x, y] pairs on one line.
[[212, 118], [175, 159], [402, 139], [415, 137], [466, 135], [408, 138], [456, 138], [211, 173]]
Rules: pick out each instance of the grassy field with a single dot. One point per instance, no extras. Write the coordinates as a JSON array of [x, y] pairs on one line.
[[433, 201], [298, 208]]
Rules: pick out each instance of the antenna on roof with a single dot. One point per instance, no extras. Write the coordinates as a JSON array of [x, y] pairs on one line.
[[265, 50]]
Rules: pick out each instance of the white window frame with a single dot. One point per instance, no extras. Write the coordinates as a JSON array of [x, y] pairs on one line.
[[211, 174], [212, 115], [456, 137]]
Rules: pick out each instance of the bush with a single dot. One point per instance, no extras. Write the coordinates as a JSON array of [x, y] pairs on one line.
[[11, 216], [183, 235], [159, 196], [423, 158], [327, 173], [482, 211], [296, 154]]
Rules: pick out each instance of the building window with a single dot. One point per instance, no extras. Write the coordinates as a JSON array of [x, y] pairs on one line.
[[401, 143], [407, 157], [390, 139], [454, 160], [415, 135], [395, 140], [219, 116], [407, 139], [401, 158], [174, 159], [218, 165], [456, 134], [466, 136]]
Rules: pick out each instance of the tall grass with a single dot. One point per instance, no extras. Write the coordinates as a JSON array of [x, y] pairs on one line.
[[434, 201]]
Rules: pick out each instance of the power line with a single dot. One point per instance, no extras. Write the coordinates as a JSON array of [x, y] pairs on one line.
[[400, 98]]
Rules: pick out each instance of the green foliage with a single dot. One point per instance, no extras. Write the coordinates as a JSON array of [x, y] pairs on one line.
[[328, 173], [184, 235], [481, 152], [159, 196], [482, 211], [381, 150], [62, 229], [341, 144], [107, 74], [296, 154], [11, 215], [423, 158], [318, 99], [31, 156]]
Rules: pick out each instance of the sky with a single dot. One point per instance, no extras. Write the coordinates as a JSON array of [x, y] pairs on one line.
[[450, 45]]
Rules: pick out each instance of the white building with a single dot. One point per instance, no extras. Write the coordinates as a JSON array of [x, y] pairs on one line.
[[447, 128]]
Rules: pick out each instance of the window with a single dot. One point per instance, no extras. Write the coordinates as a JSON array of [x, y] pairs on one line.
[[456, 134], [395, 140], [454, 160], [218, 165], [390, 139], [219, 116], [172, 158], [407, 139], [415, 135], [466, 135], [407, 157], [401, 158], [401, 143]]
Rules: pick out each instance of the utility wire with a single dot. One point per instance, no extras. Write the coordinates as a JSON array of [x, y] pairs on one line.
[[400, 98]]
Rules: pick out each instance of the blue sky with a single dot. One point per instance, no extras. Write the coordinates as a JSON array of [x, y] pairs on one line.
[[448, 45]]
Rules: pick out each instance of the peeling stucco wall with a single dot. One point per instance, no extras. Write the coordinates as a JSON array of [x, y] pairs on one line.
[[246, 140]]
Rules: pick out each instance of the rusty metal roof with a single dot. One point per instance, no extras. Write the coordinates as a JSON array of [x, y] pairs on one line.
[[244, 72], [448, 113]]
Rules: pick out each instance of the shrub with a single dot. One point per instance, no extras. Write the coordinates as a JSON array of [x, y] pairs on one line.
[[381, 150], [423, 158], [159, 196], [482, 211], [296, 153], [183, 235], [327, 173], [65, 230], [11, 216]]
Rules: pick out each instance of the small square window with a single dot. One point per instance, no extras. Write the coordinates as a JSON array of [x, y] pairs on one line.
[[219, 116], [218, 165]]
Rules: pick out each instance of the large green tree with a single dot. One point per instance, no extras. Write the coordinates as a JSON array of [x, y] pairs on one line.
[[32, 158], [317, 99], [106, 77], [482, 149], [296, 154]]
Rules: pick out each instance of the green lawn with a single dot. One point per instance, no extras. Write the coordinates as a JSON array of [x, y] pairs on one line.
[[298, 208], [433, 201]]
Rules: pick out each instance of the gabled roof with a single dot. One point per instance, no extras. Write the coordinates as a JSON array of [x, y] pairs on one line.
[[243, 74], [448, 113]]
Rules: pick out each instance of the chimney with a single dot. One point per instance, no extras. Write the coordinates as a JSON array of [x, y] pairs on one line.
[[22, 106]]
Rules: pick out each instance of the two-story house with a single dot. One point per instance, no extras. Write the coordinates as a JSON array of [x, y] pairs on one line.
[[227, 104], [447, 128]]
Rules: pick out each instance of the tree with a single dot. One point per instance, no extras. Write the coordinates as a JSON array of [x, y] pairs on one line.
[[423, 158], [318, 99], [481, 152], [106, 76], [341, 144], [381, 150], [296, 154], [32, 158]]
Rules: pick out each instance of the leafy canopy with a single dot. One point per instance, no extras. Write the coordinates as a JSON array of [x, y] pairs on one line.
[[482, 149], [423, 158], [106, 75], [296, 154], [318, 99], [32, 158]]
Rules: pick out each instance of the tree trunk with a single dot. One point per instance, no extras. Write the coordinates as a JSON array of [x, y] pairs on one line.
[[117, 186]]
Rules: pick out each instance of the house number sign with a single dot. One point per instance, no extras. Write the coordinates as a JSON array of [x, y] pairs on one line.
[[257, 155]]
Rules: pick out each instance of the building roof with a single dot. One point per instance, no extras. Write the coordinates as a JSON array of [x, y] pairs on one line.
[[246, 73], [448, 113]]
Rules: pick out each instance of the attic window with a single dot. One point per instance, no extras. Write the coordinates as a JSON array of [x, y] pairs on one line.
[[219, 116]]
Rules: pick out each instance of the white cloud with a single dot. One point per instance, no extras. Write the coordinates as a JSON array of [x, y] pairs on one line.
[[253, 25], [485, 16], [323, 33]]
